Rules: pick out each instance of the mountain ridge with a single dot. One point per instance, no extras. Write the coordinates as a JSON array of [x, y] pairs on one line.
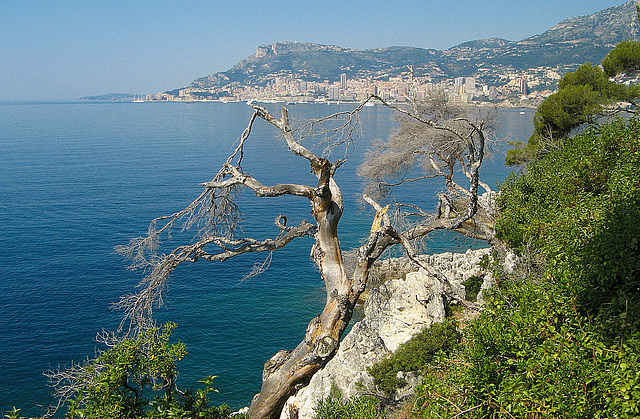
[[573, 41]]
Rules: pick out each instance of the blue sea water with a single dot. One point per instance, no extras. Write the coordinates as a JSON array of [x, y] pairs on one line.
[[79, 178]]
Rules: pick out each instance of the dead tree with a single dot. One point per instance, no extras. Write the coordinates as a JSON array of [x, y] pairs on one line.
[[214, 213], [442, 140]]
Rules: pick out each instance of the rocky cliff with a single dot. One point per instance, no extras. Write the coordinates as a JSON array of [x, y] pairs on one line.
[[396, 309]]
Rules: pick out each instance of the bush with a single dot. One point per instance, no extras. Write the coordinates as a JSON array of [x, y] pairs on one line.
[[566, 343], [581, 98], [625, 57], [414, 355], [119, 381], [355, 408], [334, 407], [472, 286]]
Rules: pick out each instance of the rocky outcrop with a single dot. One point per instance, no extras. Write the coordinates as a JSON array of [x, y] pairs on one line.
[[400, 308], [408, 300]]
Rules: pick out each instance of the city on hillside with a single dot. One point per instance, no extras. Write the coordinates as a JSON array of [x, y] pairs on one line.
[[507, 87]]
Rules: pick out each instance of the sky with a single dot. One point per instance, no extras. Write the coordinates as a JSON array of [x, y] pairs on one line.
[[66, 49]]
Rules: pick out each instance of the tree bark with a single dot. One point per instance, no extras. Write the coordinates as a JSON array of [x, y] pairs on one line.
[[286, 372]]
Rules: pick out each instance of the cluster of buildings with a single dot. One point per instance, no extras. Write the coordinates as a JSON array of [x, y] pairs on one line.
[[508, 87]]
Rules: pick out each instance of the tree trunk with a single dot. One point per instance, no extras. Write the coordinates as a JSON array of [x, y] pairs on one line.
[[287, 372]]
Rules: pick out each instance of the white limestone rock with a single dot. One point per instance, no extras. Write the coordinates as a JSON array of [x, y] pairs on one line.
[[399, 309], [394, 312], [362, 347]]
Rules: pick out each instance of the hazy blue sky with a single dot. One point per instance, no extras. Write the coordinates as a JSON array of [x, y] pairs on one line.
[[64, 49]]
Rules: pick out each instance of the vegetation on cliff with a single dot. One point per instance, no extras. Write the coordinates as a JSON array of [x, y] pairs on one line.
[[583, 97], [560, 336]]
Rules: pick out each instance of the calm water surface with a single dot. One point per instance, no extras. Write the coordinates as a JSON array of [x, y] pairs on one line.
[[81, 178]]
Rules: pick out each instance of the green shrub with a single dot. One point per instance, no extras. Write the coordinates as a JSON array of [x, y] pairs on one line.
[[354, 408], [625, 57], [566, 343], [118, 383], [14, 413], [581, 98], [472, 286], [414, 355]]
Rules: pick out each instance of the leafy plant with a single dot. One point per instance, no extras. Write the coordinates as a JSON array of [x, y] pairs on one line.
[[118, 383], [625, 57], [355, 408], [414, 355], [472, 286], [564, 343], [582, 98], [14, 414], [115, 383]]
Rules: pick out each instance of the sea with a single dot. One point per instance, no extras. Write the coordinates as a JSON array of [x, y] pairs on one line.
[[79, 178]]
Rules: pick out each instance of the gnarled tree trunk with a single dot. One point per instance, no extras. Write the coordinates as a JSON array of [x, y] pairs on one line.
[[286, 372]]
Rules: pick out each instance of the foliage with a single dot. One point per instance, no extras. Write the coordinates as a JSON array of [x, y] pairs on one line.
[[355, 408], [14, 413], [472, 286], [561, 200], [567, 343], [414, 355], [532, 355], [334, 407], [625, 57], [581, 98], [118, 382]]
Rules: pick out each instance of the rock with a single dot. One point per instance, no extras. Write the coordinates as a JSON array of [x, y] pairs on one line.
[[487, 284], [398, 309], [510, 261], [413, 380], [408, 301], [362, 347], [242, 411]]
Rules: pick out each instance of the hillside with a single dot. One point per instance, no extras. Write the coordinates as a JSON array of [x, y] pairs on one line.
[[571, 42], [314, 62]]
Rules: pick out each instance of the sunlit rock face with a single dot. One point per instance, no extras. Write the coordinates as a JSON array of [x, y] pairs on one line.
[[395, 310]]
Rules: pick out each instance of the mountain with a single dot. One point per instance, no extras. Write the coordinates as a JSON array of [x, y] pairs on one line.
[[609, 26], [573, 41], [313, 62]]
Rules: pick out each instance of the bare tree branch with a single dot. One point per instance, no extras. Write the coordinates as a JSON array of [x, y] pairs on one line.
[[332, 131], [239, 178]]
